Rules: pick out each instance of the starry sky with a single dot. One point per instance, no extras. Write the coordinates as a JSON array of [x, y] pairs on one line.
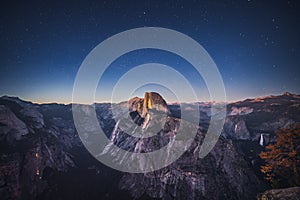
[[254, 43]]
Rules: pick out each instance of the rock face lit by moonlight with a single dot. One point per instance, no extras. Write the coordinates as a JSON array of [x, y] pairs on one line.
[[142, 110]]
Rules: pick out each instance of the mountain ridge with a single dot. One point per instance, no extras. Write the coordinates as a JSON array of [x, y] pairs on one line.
[[228, 102], [40, 144]]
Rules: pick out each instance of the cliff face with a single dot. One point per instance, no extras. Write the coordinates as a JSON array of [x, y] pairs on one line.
[[31, 145], [12, 128], [151, 101], [235, 128], [223, 174], [143, 110]]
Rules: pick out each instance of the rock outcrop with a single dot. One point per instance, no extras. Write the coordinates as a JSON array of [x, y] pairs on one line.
[[151, 101], [235, 128], [151, 106], [35, 118], [281, 194], [11, 127]]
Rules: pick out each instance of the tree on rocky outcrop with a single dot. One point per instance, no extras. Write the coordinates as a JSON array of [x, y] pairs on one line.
[[282, 159]]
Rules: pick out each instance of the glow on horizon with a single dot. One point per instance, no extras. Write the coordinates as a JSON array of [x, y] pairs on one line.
[[66, 101], [257, 52]]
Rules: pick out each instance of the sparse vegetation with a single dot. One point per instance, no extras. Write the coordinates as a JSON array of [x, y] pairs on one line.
[[282, 159]]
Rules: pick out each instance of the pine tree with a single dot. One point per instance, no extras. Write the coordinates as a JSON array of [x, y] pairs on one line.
[[282, 159]]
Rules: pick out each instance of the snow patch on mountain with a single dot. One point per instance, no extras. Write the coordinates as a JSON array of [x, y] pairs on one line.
[[240, 110]]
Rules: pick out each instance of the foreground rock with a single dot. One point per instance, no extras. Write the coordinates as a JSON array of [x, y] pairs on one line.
[[281, 194]]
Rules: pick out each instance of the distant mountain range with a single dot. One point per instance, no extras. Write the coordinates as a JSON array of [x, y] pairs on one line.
[[42, 156]]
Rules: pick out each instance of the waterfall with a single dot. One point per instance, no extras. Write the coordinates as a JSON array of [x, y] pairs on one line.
[[261, 141]]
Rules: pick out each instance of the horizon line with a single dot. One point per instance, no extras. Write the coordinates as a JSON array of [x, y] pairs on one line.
[[169, 103]]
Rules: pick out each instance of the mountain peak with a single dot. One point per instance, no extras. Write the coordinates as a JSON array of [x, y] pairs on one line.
[[288, 94], [139, 108], [151, 101]]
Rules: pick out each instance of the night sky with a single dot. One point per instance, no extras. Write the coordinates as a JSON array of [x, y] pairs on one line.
[[255, 44]]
